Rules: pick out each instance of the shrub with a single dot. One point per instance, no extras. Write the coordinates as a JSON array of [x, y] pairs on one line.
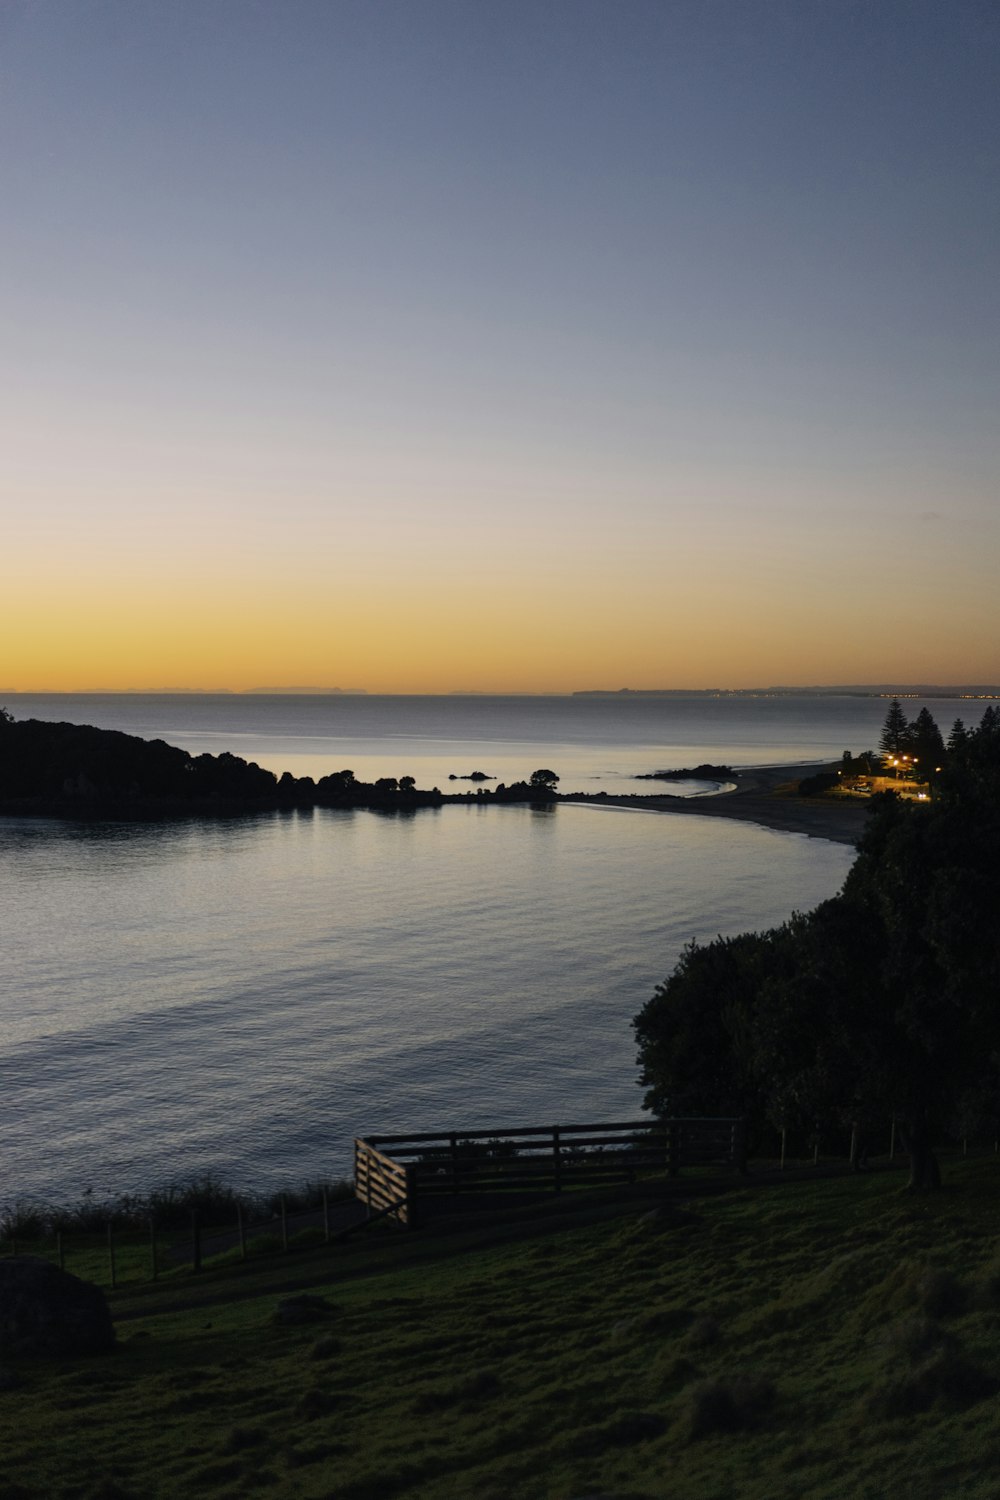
[[216, 1201], [23, 1220], [170, 1206], [815, 786], [307, 1197]]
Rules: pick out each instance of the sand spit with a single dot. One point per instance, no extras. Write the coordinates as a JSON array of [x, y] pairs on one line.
[[766, 795]]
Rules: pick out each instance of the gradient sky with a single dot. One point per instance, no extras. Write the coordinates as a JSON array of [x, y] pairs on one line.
[[420, 345]]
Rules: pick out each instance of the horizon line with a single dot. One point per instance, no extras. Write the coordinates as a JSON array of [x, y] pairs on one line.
[[881, 689]]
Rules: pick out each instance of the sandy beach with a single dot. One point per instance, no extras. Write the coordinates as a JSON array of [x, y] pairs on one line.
[[765, 795]]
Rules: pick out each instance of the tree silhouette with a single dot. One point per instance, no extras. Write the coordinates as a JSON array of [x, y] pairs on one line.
[[893, 738], [543, 778], [925, 744], [881, 1001]]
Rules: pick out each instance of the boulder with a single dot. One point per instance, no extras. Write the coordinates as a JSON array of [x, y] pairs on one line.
[[47, 1313]]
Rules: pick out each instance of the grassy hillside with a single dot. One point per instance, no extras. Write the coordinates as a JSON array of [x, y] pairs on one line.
[[805, 1339]]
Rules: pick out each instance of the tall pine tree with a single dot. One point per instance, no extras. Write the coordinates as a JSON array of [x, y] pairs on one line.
[[894, 730]]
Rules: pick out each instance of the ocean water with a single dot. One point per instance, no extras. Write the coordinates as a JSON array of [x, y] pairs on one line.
[[245, 996], [592, 742]]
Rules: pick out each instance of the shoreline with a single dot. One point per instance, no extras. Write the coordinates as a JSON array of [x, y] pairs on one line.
[[765, 795]]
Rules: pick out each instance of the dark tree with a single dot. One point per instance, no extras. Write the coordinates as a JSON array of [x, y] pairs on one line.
[[883, 1000], [893, 738], [925, 745], [544, 778], [930, 878], [691, 1034]]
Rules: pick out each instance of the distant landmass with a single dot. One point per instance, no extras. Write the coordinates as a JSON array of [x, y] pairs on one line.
[[302, 692], [854, 690]]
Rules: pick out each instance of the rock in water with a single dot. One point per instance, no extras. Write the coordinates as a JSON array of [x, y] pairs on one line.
[[45, 1312]]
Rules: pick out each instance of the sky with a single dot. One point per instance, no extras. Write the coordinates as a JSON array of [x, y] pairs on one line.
[[499, 345]]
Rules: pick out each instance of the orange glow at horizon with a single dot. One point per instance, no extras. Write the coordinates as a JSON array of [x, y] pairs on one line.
[[561, 617]]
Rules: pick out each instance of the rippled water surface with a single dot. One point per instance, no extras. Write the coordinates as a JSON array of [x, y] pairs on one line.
[[246, 996]]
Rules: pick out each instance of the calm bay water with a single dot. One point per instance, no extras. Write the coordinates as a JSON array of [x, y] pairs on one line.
[[246, 996]]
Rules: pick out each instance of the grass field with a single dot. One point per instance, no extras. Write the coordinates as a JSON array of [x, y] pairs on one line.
[[834, 1338]]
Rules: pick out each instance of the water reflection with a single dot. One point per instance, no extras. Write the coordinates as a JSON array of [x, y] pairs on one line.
[[246, 995]]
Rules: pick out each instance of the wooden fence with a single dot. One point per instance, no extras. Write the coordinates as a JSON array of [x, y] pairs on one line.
[[385, 1186], [393, 1173]]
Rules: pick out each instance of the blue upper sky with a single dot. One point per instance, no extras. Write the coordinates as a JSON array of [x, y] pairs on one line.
[[682, 283]]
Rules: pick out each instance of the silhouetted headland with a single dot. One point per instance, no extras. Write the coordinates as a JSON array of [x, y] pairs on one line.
[[78, 771], [703, 772]]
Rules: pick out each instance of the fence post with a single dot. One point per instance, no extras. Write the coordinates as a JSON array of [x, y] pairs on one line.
[[556, 1161], [241, 1230], [152, 1248], [816, 1151], [111, 1256], [60, 1250], [195, 1240], [456, 1185], [784, 1138], [284, 1224], [854, 1147], [326, 1217], [362, 1175], [411, 1210], [892, 1139]]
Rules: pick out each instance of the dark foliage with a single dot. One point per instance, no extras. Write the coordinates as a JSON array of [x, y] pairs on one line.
[[544, 778], [815, 786], [893, 737], [76, 770], [881, 1001], [705, 771]]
